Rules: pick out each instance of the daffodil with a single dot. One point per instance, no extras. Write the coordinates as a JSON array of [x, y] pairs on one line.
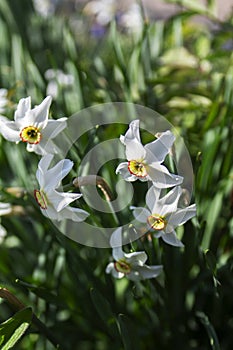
[[33, 127], [55, 204], [144, 162], [163, 215], [131, 265]]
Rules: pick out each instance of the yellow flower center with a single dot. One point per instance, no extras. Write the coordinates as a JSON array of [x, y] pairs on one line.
[[157, 222], [41, 199], [137, 168], [122, 266], [30, 134]]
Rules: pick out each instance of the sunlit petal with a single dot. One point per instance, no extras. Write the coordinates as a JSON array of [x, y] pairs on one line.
[[60, 200], [172, 239], [124, 171], [39, 114], [9, 130], [182, 215], [161, 147], [152, 196], [136, 258], [53, 176], [140, 214], [161, 176], [23, 107], [152, 271], [54, 127], [132, 133]]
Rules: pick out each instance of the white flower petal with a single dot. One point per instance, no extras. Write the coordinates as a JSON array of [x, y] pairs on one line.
[[152, 196], [39, 114], [132, 133], [9, 130], [117, 253], [53, 176], [182, 215], [161, 176], [124, 171], [53, 128], [116, 238], [74, 214], [50, 212], [134, 150], [134, 276], [116, 243], [171, 238], [136, 258], [23, 107], [168, 203], [43, 147], [131, 139], [42, 168], [60, 200], [147, 272], [111, 269], [161, 147], [141, 214]]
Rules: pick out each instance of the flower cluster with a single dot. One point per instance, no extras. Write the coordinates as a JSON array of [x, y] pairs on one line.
[[33, 126], [143, 162], [163, 215]]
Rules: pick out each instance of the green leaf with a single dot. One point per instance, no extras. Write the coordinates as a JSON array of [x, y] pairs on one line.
[[210, 330], [104, 310], [125, 334], [14, 328], [42, 293], [210, 261]]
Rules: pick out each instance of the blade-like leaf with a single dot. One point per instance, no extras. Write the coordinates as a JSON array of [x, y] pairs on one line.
[[14, 328]]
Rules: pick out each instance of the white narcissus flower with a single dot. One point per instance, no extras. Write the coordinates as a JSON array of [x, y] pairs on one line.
[[55, 204], [164, 215], [144, 162], [33, 126], [130, 265]]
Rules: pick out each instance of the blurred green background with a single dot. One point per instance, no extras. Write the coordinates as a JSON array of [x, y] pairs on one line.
[[181, 67]]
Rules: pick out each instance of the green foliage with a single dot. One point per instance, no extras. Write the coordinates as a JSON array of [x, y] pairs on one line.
[[183, 70], [14, 328]]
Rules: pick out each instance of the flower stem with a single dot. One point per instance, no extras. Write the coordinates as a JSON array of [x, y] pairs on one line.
[[96, 181], [102, 185]]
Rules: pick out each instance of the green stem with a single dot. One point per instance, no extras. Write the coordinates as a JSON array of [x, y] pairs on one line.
[[102, 185]]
